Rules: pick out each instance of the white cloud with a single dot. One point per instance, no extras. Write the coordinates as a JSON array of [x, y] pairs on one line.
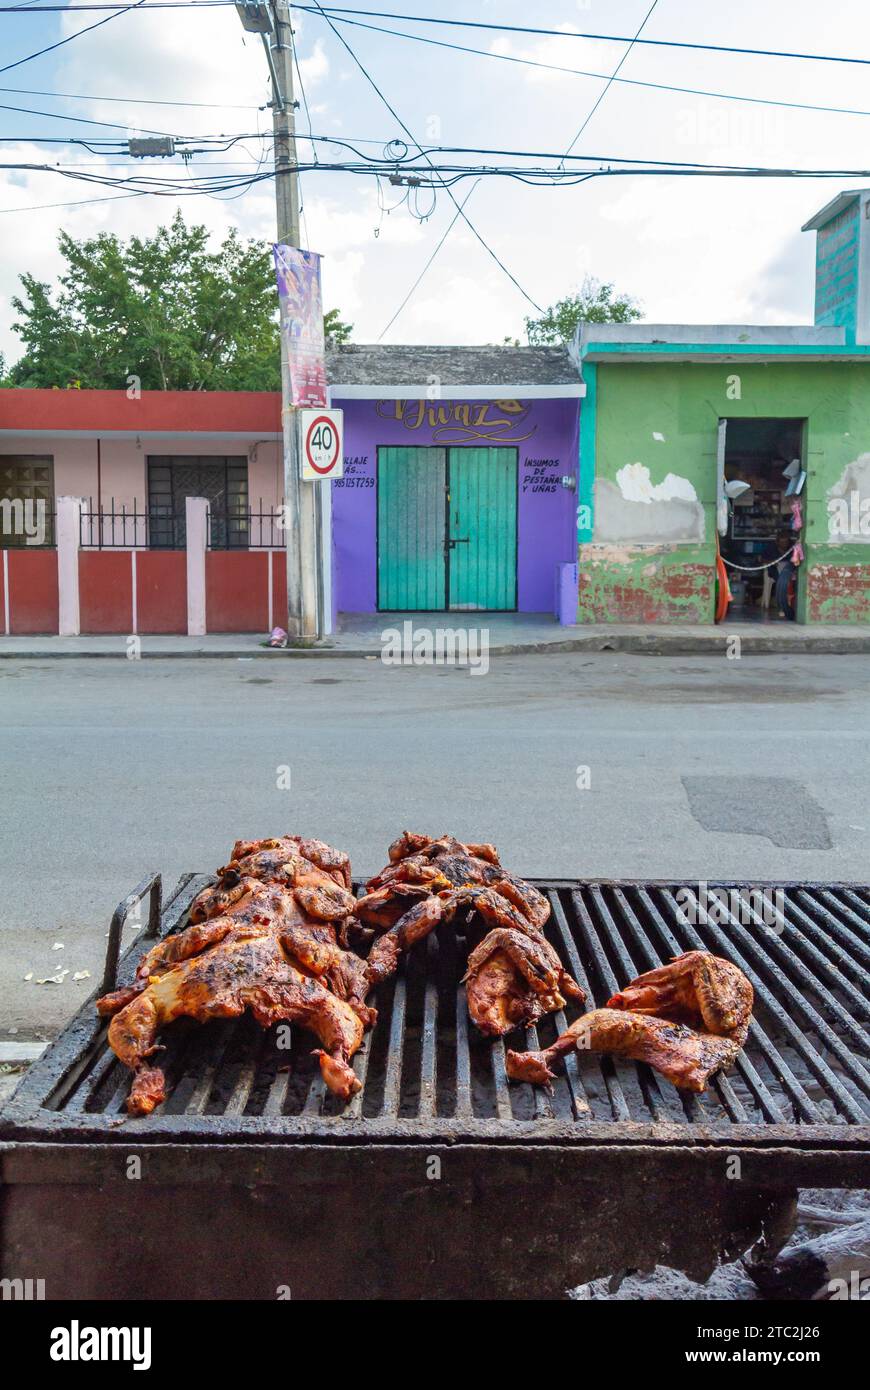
[[716, 250]]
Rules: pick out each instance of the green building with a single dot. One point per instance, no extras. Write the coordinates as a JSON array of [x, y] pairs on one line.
[[673, 415]]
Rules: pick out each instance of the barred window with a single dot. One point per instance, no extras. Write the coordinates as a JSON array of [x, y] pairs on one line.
[[26, 500]]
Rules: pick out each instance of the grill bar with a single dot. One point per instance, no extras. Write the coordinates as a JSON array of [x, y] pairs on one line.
[[806, 1108], [807, 939], [393, 1082], [429, 1054], [790, 960], [850, 907], [426, 1071], [819, 1067], [744, 1066]]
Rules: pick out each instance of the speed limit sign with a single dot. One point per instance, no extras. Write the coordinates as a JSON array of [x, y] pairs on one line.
[[322, 443]]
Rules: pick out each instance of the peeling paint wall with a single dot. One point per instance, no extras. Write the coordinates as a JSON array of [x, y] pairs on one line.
[[647, 584], [848, 504], [651, 557]]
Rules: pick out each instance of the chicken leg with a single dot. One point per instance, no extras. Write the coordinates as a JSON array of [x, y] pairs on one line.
[[685, 1057]]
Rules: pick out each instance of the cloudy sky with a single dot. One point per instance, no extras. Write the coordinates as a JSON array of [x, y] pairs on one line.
[[690, 249]]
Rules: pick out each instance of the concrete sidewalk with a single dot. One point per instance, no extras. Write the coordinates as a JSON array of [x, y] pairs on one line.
[[509, 634]]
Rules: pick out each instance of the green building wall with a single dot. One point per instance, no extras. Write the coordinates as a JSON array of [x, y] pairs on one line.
[[665, 417]]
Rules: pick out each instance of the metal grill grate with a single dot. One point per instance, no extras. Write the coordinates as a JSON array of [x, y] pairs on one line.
[[426, 1071]]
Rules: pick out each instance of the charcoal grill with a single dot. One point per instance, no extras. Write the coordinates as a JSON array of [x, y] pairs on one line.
[[440, 1178]]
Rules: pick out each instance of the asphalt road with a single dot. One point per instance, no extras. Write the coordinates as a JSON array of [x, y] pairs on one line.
[[697, 768]]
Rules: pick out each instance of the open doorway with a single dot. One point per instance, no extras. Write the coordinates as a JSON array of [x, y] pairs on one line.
[[764, 518]]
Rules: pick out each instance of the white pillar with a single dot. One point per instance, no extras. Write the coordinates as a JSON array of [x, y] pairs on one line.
[[67, 531], [197, 538]]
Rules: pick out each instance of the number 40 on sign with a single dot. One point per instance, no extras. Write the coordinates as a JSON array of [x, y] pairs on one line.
[[322, 443]]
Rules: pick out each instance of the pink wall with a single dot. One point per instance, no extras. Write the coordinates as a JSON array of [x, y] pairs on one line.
[[123, 463]]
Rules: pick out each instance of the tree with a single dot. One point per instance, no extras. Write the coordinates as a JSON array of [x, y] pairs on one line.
[[166, 309], [334, 328], [592, 303]]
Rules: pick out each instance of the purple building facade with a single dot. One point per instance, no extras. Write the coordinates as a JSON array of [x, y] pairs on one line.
[[519, 406]]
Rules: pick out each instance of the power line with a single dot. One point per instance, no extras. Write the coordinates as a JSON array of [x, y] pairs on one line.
[[411, 291], [80, 120], [410, 136], [32, 8], [584, 72], [337, 12], [130, 101], [611, 79], [460, 210], [77, 35]]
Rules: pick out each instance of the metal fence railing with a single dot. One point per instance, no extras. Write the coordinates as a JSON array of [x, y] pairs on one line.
[[163, 526], [246, 528], [114, 527]]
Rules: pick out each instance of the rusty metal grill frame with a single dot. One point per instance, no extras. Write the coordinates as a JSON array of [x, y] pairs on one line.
[[802, 1082]]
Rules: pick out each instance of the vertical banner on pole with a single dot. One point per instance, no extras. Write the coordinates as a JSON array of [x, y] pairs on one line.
[[301, 303]]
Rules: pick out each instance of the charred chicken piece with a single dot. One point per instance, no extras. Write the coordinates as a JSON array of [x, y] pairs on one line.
[[688, 1019], [412, 926], [682, 1055], [513, 979], [699, 989], [333, 862], [514, 975], [273, 948], [289, 859]]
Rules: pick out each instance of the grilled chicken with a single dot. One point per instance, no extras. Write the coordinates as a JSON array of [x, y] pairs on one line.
[[286, 859], [683, 1056], [688, 1019], [701, 990], [269, 946], [514, 975]]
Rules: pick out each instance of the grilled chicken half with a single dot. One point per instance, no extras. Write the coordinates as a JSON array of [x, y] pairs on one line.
[[688, 1019], [514, 975], [271, 947]]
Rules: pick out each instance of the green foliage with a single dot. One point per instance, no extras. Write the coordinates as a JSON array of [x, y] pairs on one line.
[[334, 328], [166, 309], [592, 303]]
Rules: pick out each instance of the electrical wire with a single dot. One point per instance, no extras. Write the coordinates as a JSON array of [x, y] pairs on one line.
[[620, 81], [336, 13], [611, 78], [129, 101], [79, 120], [77, 35], [398, 118], [412, 290]]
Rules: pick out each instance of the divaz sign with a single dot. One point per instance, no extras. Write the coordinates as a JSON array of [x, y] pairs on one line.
[[77, 1343]]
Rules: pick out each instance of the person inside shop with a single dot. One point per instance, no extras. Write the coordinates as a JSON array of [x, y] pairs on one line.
[[783, 571]]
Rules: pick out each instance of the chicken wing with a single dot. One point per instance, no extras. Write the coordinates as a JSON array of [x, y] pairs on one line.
[[699, 989]]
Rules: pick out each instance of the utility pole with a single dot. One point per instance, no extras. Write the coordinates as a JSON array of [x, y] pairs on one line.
[[272, 21]]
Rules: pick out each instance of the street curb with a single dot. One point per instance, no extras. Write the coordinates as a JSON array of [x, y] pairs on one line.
[[20, 1054], [652, 644]]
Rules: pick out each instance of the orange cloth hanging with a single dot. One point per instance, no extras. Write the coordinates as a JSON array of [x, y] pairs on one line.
[[723, 588]]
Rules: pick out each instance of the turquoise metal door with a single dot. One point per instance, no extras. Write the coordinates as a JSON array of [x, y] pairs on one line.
[[482, 535], [412, 484]]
